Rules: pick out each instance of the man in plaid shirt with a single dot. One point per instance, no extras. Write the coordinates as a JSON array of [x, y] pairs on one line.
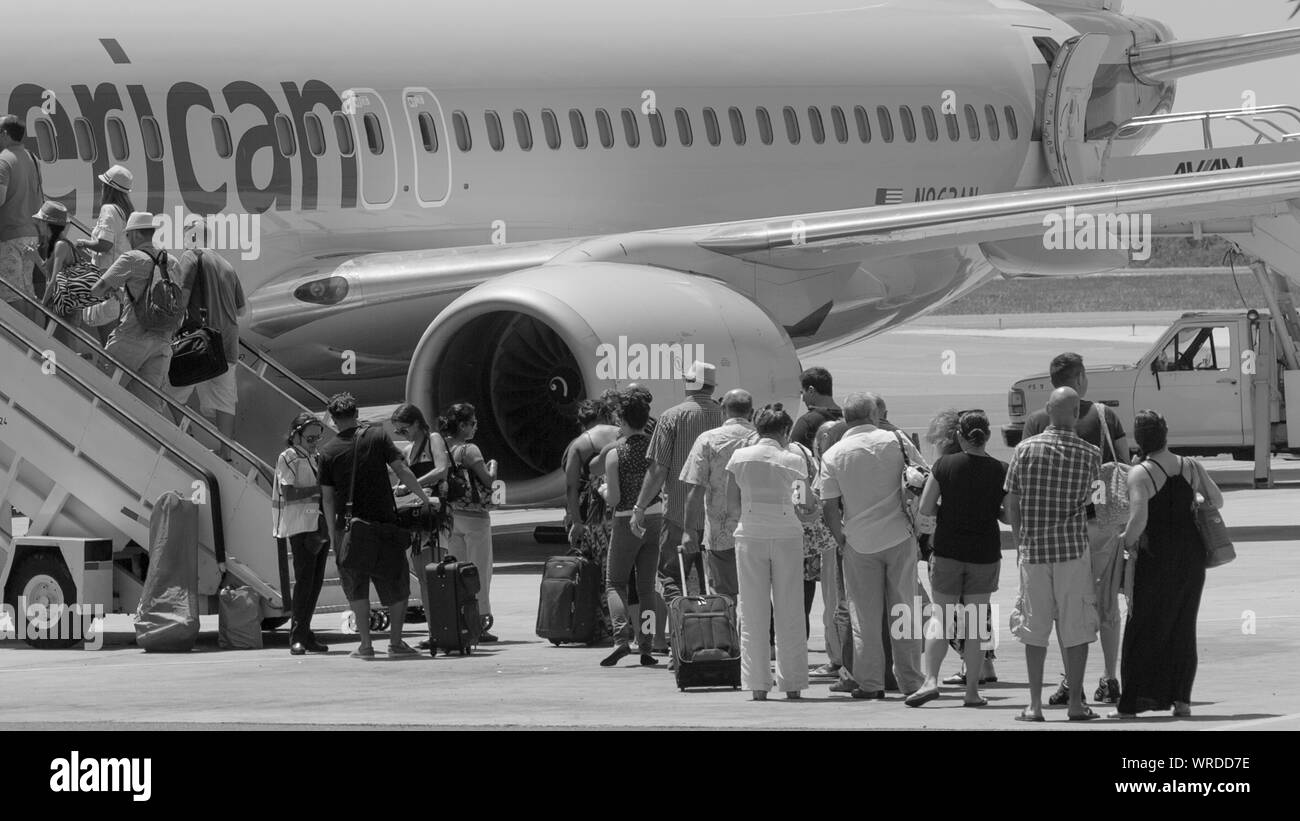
[[1048, 488]]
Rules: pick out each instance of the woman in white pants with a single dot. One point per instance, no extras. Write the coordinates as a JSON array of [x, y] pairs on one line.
[[769, 555], [471, 524]]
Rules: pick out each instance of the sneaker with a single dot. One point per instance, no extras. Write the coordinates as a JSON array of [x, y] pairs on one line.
[[826, 671], [620, 652], [486, 638], [1107, 691], [844, 686], [402, 649], [1062, 696], [956, 678], [648, 660]]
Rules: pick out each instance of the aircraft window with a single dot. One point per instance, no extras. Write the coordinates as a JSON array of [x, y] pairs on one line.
[[972, 122], [46, 148], [284, 136], [374, 134], [737, 119], [764, 125], [460, 124], [523, 130], [1197, 349], [684, 127], [909, 123], [931, 125], [631, 131], [605, 127], [342, 133], [711, 128], [864, 123], [954, 126], [428, 132], [579, 128], [496, 136], [886, 121], [153, 144], [1013, 131], [657, 131], [791, 125], [815, 124], [316, 133], [991, 117], [551, 127], [86, 148], [117, 144], [840, 124]]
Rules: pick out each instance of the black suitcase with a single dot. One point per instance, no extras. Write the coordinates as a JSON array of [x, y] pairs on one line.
[[705, 637], [454, 620], [569, 603]]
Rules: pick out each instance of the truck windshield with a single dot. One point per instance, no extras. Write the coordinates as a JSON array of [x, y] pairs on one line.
[[1197, 348]]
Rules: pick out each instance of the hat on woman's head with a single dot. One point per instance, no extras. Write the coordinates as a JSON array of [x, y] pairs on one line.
[[52, 212], [118, 177]]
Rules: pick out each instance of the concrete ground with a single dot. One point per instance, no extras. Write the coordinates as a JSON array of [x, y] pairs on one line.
[[1249, 640]]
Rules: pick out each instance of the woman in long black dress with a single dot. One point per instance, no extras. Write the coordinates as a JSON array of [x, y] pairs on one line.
[[1159, 655]]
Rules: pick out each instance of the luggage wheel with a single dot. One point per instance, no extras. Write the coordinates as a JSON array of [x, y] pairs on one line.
[[556, 642]]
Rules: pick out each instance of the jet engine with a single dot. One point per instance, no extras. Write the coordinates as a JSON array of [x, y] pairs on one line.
[[524, 349]]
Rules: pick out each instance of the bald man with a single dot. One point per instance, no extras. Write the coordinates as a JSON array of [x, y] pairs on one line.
[[706, 473], [1048, 487]]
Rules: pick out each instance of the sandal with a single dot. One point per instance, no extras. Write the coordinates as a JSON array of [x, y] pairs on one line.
[[983, 702], [1087, 715], [401, 649], [363, 653], [920, 697], [1025, 715]]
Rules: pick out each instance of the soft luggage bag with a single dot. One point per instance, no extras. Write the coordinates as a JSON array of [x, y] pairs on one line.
[[167, 617], [705, 638], [570, 600], [239, 619], [454, 620]]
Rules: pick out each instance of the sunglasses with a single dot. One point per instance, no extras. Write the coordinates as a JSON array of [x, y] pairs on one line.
[[311, 440]]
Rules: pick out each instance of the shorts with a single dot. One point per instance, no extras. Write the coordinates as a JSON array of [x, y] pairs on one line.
[[1060, 593], [217, 395], [956, 578], [17, 256], [391, 590]]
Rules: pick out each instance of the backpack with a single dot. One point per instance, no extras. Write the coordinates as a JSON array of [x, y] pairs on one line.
[[463, 486], [160, 306], [72, 286]]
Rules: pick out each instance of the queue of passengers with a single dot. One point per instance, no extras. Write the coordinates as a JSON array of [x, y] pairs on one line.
[[106, 284], [723, 478]]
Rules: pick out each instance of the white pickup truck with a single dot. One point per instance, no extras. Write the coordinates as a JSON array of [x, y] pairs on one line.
[[1199, 376]]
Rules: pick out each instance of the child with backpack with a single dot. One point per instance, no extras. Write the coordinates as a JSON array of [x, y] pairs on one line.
[[153, 309]]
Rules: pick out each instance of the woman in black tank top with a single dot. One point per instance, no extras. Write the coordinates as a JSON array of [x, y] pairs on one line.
[[1158, 661]]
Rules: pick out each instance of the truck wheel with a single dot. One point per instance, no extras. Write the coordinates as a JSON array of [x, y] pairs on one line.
[[43, 580]]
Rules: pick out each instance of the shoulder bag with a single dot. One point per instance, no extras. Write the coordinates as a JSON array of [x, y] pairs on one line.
[[198, 351], [1209, 523], [370, 548], [912, 483], [1113, 509]]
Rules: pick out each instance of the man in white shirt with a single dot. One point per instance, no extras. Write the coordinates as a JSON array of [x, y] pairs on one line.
[[860, 483]]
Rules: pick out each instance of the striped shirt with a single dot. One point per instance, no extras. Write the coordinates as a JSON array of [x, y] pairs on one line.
[[670, 446], [1052, 473]]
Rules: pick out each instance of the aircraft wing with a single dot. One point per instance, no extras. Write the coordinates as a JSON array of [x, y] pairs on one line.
[[789, 252]]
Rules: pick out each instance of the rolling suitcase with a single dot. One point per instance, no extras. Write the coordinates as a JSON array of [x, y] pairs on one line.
[[570, 600], [454, 620], [705, 638]]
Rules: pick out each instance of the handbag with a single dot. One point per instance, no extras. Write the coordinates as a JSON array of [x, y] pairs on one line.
[[198, 351], [73, 284], [1214, 533], [1113, 510], [809, 509], [363, 545]]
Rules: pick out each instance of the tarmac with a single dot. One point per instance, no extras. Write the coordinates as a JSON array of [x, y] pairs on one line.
[[1248, 629]]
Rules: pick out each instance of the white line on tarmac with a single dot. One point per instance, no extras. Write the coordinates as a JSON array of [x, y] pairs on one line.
[[1237, 725]]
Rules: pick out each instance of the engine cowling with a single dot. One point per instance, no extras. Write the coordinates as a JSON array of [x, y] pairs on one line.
[[525, 348]]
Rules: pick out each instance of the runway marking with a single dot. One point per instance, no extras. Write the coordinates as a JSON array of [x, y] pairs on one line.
[[1253, 722]]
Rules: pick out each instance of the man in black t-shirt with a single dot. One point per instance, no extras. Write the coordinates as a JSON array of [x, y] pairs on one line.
[[372, 500], [817, 386], [1067, 371]]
